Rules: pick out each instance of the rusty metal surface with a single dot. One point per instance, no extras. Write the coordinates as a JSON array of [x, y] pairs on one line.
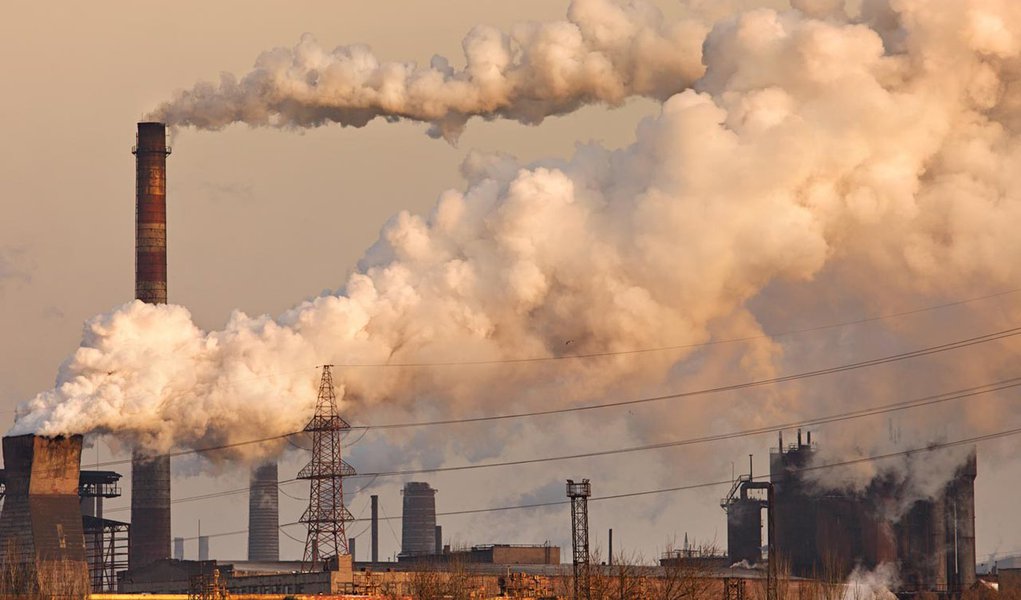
[[151, 213], [264, 514]]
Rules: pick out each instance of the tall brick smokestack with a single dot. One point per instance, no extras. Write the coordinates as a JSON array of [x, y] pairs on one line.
[[150, 477]]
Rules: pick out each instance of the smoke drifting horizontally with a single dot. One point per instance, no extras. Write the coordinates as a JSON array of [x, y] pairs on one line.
[[604, 52], [820, 164]]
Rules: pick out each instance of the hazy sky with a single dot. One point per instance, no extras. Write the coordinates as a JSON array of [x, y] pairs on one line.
[[261, 219]]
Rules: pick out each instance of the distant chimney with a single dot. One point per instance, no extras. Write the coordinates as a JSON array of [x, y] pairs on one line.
[[264, 515], [375, 528], [203, 547], [179, 548], [418, 520]]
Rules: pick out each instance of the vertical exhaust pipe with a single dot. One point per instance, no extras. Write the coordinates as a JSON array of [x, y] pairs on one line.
[[149, 537], [375, 529]]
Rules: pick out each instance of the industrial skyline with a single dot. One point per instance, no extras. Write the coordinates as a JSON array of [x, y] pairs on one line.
[[260, 219]]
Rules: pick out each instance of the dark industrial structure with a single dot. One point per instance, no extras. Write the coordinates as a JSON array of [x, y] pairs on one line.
[[264, 514], [824, 533], [326, 516], [743, 505], [150, 476], [41, 522], [106, 540], [418, 520], [579, 494], [491, 554]]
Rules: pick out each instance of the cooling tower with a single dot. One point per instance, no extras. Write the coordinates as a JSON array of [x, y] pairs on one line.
[[418, 521], [264, 515], [43, 548], [150, 477]]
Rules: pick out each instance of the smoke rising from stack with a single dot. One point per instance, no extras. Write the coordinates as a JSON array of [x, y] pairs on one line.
[[823, 165], [604, 52]]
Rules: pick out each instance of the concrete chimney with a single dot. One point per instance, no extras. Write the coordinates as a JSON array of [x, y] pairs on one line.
[[264, 514], [418, 520], [41, 521], [150, 477]]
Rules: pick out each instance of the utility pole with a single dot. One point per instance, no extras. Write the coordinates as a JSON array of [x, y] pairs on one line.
[[579, 494]]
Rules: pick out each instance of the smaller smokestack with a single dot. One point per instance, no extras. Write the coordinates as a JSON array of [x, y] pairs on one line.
[[264, 514], [809, 438], [179, 548], [781, 441], [799, 437], [751, 473], [375, 529], [351, 547], [439, 539], [610, 558], [203, 547]]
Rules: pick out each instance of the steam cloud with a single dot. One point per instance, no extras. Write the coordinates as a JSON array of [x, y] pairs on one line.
[[821, 164]]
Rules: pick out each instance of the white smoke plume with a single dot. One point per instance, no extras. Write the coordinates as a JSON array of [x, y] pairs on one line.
[[822, 166], [872, 585], [605, 52]]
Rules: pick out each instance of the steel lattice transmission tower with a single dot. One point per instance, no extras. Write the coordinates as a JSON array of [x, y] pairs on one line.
[[326, 516], [579, 494]]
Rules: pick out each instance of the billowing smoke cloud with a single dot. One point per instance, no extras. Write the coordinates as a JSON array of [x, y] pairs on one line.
[[605, 52], [823, 166]]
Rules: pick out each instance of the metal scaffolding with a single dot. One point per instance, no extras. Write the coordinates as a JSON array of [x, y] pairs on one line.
[[579, 494], [326, 515]]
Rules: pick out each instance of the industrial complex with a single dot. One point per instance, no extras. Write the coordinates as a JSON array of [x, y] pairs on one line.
[[785, 534]]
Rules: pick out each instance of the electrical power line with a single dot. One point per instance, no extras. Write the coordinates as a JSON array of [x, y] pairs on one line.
[[823, 420], [956, 345], [865, 459]]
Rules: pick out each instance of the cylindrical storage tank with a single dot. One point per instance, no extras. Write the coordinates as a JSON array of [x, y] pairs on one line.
[[149, 537], [744, 531], [264, 514], [418, 520]]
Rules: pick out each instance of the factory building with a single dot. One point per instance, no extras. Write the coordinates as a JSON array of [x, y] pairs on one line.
[[490, 554], [827, 533], [418, 520]]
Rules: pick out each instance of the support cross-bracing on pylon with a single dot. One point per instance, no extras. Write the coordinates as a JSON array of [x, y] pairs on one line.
[[326, 515], [579, 494]]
